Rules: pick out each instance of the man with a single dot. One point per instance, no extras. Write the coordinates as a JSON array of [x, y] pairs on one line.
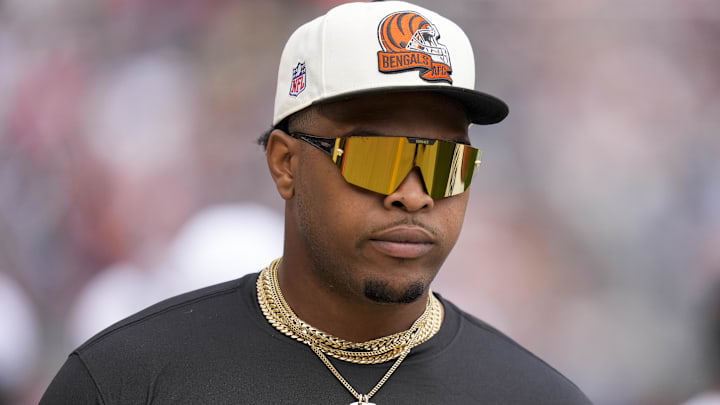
[[370, 151]]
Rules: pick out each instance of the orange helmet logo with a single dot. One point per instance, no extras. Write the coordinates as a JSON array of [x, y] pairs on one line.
[[410, 42]]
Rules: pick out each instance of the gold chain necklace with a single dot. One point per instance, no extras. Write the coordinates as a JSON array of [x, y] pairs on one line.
[[396, 346]]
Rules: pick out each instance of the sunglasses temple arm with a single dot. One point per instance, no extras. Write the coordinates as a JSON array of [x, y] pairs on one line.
[[323, 147]]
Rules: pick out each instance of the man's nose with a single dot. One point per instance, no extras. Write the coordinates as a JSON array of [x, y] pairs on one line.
[[410, 194]]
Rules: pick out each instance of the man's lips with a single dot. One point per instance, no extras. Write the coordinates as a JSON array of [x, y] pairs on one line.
[[404, 242]]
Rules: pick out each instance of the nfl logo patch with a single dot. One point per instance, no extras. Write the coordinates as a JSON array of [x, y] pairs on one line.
[[297, 84]]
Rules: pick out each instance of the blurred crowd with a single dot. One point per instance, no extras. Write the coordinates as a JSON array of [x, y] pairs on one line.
[[129, 173]]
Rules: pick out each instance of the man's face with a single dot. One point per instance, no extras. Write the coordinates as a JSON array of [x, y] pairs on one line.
[[386, 248]]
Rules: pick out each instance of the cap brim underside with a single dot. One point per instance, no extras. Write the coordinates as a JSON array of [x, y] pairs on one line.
[[481, 108]]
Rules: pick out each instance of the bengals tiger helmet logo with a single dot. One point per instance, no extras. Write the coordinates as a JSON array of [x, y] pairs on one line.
[[409, 41]]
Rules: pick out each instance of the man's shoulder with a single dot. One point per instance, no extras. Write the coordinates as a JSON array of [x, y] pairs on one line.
[[165, 316], [479, 329], [189, 341], [507, 357]]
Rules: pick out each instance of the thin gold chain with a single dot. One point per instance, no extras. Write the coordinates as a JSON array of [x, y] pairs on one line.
[[396, 346], [360, 397]]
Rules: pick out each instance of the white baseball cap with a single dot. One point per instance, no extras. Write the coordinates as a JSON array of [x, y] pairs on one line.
[[380, 47]]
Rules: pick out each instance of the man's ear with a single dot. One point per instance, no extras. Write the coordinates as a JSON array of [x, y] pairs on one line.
[[282, 156]]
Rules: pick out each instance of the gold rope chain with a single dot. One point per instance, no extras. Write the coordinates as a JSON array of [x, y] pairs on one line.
[[281, 316]]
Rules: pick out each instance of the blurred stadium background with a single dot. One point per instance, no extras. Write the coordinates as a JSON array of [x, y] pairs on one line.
[[129, 172]]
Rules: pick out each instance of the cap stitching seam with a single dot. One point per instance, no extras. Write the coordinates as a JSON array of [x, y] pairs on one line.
[[322, 58]]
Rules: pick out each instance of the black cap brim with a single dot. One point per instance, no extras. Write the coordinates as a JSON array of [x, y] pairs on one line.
[[481, 108]]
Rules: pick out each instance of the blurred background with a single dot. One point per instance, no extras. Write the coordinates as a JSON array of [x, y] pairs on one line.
[[129, 173]]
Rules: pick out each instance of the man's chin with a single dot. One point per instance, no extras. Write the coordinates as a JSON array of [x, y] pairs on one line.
[[382, 292]]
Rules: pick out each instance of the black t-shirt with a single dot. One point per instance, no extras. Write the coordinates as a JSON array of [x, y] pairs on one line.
[[214, 346]]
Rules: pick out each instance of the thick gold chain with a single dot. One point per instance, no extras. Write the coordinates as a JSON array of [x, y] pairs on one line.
[[282, 317]]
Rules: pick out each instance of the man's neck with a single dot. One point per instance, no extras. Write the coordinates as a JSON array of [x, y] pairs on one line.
[[352, 318]]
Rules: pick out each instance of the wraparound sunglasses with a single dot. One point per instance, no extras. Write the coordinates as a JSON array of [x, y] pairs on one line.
[[381, 163]]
